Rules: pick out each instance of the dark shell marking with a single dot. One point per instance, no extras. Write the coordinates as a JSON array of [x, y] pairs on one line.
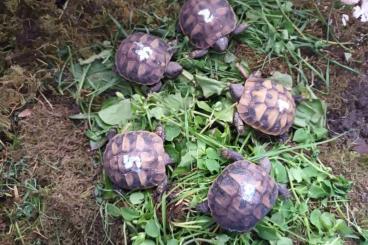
[[142, 58], [135, 160], [267, 106], [221, 21], [241, 196]]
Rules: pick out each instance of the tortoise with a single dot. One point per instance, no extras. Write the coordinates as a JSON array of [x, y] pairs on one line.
[[145, 59], [136, 160], [208, 23], [263, 104], [242, 194]]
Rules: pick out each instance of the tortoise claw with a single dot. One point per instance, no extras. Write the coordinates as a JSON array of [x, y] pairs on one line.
[[161, 188], [239, 124], [155, 88]]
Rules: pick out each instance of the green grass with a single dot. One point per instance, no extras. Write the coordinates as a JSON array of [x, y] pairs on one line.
[[196, 111]]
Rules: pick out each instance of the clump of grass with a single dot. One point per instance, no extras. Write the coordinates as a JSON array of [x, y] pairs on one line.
[[196, 111]]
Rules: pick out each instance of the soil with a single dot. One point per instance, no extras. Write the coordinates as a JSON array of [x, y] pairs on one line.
[[66, 173]]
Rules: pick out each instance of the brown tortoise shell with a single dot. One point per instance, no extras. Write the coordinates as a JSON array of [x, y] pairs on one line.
[[267, 106], [201, 34], [148, 71], [241, 196], [135, 160]]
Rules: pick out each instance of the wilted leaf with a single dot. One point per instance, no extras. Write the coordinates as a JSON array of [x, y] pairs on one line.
[[210, 86]]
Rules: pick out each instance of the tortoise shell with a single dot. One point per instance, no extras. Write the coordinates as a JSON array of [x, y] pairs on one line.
[[241, 196], [135, 160], [142, 58], [205, 21], [267, 106]]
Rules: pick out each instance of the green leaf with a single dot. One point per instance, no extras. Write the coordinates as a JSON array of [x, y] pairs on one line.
[[267, 233], [221, 239], [204, 106], [212, 154], [343, 228], [284, 241], [147, 242], [171, 132], [311, 113], [172, 242], [113, 210], [129, 214], [316, 191], [327, 220], [210, 86], [136, 198], [152, 229], [302, 135], [296, 174], [282, 78], [314, 218], [158, 112], [117, 114], [212, 165], [280, 172]]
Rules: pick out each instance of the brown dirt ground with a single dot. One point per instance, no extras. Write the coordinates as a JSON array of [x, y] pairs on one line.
[[57, 156]]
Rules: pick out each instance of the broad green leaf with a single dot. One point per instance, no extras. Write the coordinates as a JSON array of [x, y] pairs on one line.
[[136, 198], [343, 228], [158, 112], [152, 229], [282, 78], [316, 191], [147, 242], [172, 242], [204, 106], [296, 174], [267, 233], [210, 86], [117, 114], [212, 165], [284, 241], [171, 132], [212, 154], [113, 210], [129, 214], [221, 239], [327, 220], [302, 135], [280, 172], [314, 218]]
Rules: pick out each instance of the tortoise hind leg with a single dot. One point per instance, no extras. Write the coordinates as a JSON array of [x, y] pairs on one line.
[[198, 53], [161, 188], [221, 44], [203, 208], [239, 124], [231, 155]]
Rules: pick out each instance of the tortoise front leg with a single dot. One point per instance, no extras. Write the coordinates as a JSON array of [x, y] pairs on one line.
[[198, 53], [239, 124], [173, 69], [203, 208], [221, 44], [236, 91], [155, 88], [283, 191], [266, 164], [231, 155], [240, 28]]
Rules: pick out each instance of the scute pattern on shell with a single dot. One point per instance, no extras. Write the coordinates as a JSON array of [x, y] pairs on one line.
[[241, 196], [267, 106], [148, 71], [201, 34], [147, 172]]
